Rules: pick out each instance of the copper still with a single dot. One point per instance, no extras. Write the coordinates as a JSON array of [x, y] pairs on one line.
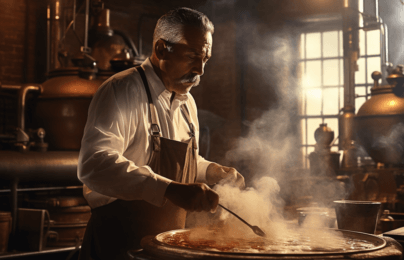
[[73, 79], [62, 108], [379, 122]]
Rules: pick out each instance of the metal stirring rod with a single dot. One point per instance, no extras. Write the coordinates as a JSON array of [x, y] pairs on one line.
[[256, 229]]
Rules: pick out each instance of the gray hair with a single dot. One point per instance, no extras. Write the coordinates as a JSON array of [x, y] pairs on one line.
[[169, 26]]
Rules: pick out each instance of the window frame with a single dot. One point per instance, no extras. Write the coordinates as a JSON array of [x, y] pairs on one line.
[[305, 146]]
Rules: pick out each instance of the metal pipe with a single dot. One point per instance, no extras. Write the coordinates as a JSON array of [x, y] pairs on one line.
[[386, 43], [85, 48], [351, 50], [384, 51], [74, 15], [377, 10], [50, 167], [10, 87], [48, 39], [55, 12], [22, 94], [43, 189], [351, 55]]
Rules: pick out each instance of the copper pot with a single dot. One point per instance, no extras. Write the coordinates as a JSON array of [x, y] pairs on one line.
[[379, 126], [62, 235], [70, 215], [62, 107], [5, 230], [67, 225]]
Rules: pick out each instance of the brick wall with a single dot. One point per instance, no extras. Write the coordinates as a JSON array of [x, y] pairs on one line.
[[12, 40], [22, 50]]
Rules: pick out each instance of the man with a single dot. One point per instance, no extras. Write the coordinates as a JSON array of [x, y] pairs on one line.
[[139, 157]]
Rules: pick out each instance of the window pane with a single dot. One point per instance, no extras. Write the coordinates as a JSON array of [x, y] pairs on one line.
[[330, 106], [362, 43], [360, 74], [361, 91], [303, 102], [313, 124], [341, 98], [313, 105], [341, 72], [313, 45], [341, 44], [313, 74], [330, 72], [373, 40], [373, 65], [330, 44], [302, 71], [302, 43], [303, 130]]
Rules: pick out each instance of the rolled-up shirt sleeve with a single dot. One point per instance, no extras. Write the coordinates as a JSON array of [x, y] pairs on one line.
[[111, 125], [202, 165]]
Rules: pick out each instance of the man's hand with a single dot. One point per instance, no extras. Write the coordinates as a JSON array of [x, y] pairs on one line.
[[192, 197], [216, 173]]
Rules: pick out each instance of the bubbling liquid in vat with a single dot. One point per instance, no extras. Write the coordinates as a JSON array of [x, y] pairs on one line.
[[303, 241], [259, 206]]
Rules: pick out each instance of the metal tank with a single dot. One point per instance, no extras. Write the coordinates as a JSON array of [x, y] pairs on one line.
[[379, 123]]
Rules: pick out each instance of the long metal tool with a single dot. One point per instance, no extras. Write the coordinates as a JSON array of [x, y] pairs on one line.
[[256, 229]]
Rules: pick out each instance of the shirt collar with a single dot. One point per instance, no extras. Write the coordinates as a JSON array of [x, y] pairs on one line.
[[157, 85]]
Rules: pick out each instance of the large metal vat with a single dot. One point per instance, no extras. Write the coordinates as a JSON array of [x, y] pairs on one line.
[[154, 247]]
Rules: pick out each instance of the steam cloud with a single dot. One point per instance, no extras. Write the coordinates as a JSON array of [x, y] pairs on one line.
[[261, 205], [266, 155]]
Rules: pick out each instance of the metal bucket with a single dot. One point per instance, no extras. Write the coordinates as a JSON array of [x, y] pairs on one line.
[[356, 215]]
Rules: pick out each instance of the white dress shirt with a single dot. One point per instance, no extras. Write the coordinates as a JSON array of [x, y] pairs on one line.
[[116, 144]]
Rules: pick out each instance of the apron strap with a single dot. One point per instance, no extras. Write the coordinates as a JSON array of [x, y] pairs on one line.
[[154, 127], [185, 113]]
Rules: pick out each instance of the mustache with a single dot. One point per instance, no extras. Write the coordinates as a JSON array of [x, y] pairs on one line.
[[190, 78]]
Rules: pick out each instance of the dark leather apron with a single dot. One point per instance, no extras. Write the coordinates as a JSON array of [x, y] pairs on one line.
[[115, 228]]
